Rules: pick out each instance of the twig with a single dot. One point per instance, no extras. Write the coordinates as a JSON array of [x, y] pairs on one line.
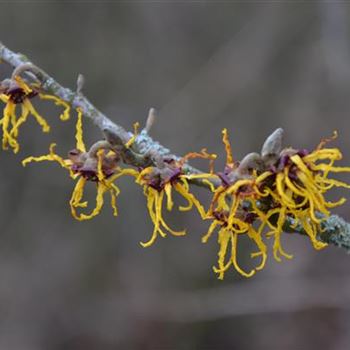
[[141, 151], [334, 230]]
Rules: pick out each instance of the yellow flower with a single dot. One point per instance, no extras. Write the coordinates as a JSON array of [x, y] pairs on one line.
[[297, 186], [104, 179], [256, 199], [18, 93], [159, 182], [100, 168], [230, 214]]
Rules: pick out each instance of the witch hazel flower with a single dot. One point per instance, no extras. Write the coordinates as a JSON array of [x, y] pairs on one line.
[[17, 94]]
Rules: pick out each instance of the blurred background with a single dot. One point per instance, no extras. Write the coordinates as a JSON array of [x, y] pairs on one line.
[[248, 66]]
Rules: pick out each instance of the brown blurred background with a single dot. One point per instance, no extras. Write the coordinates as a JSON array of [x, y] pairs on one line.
[[250, 67]]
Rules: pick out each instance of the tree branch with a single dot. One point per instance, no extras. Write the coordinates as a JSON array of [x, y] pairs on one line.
[[334, 229], [141, 152]]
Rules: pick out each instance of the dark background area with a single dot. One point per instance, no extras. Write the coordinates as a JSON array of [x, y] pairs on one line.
[[247, 66]]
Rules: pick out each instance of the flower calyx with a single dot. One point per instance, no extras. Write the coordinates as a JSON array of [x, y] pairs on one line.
[[92, 166]]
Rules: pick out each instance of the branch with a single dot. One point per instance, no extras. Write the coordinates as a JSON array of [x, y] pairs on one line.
[[141, 152], [334, 229]]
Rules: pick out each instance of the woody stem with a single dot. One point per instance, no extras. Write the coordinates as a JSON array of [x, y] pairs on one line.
[[144, 150]]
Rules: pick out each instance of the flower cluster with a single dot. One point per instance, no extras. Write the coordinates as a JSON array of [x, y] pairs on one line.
[[16, 93], [99, 166], [159, 181], [259, 194], [253, 198]]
